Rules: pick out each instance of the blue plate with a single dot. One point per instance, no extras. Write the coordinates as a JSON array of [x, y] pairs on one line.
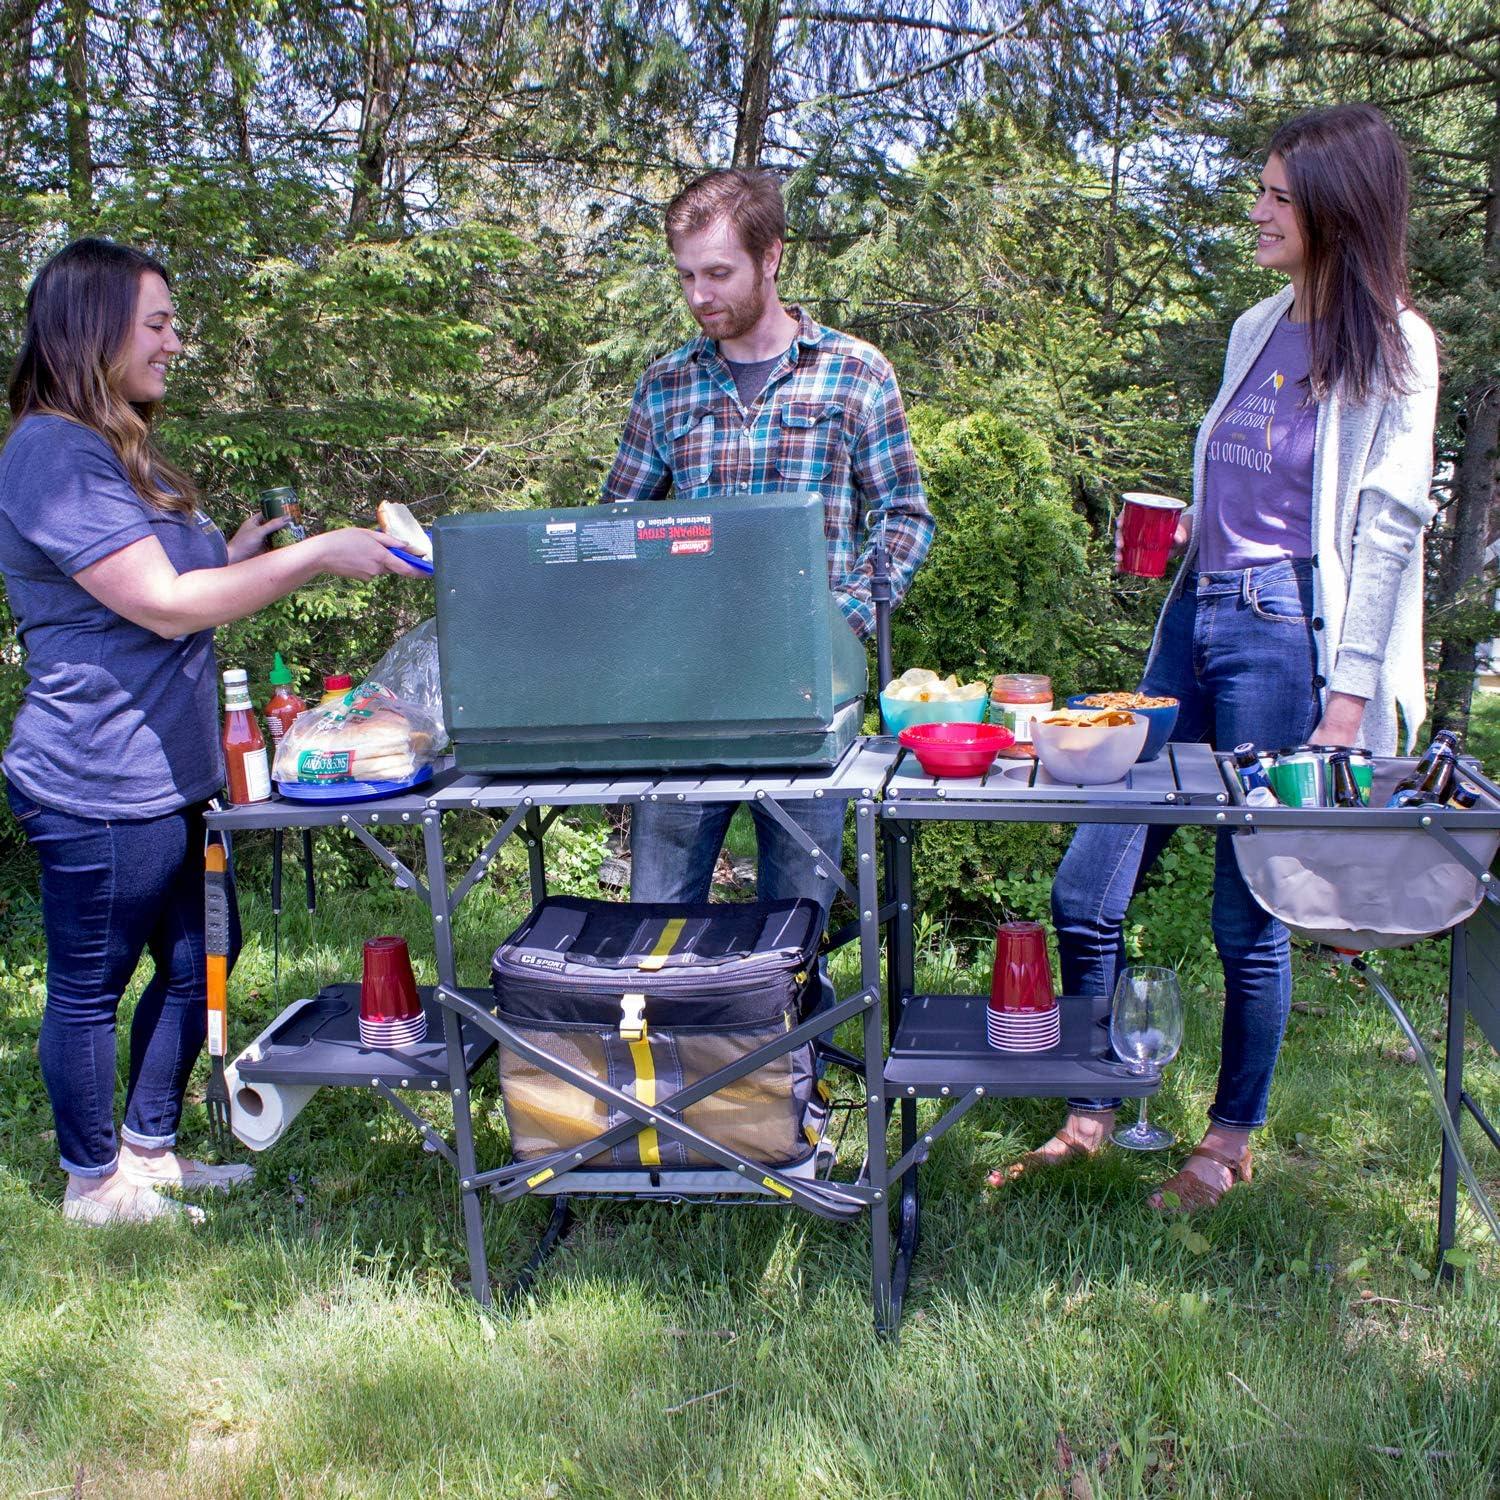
[[348, 791], [419, 563]]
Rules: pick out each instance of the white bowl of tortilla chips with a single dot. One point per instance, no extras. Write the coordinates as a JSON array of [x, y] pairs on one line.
[[920, 696], [1088, 747]]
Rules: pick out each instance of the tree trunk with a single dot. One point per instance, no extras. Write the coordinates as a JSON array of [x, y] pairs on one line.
[[376, 104], [754, 108], [76, 93], [17, 29], [1474, 511], [243, 150]]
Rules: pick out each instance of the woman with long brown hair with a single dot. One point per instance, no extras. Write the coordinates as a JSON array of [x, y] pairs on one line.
[[116, 580], [1297, 613]]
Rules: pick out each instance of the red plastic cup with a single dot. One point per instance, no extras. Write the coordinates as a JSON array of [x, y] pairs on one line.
[[388, 991], [1146, 532], [1022, 979]]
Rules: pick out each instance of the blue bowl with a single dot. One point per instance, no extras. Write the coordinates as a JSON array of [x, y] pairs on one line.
[[1162, 721], [901, 715]]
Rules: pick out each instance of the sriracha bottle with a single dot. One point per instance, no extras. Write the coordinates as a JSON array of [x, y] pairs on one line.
[[283, 706]]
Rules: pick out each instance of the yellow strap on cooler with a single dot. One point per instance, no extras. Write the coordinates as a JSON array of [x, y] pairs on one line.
[[657, 957], [645, 1091], [540, 1177]]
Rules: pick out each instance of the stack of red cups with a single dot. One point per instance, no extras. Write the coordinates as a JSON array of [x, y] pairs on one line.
[[1023, 1014], [390, 1011]]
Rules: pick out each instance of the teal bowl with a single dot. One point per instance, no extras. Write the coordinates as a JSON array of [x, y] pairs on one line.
[[1161, 720], [901, 715]]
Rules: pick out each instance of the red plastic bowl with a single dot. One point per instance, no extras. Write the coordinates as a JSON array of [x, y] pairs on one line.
[[956, 749]]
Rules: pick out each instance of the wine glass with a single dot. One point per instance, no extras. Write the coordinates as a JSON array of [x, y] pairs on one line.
[[1145, 1028]]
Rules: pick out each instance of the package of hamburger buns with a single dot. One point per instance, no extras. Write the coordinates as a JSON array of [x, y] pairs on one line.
[[368, 735]]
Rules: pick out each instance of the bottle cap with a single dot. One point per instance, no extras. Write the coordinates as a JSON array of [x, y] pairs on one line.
[[339, 682], [236, 677], [281, 674]]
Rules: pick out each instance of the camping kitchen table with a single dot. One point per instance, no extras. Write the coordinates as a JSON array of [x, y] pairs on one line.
[[330, 1053], [937, 1043], [934, 1046]]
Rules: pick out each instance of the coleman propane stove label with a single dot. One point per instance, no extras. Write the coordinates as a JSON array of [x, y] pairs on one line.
[[616, 540], [675, 536]]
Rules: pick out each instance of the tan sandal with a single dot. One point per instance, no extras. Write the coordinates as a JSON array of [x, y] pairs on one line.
[[1192, 1193], [1073, 1150]]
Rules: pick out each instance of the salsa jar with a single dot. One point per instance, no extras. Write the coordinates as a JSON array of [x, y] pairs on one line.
[[1016, 698]]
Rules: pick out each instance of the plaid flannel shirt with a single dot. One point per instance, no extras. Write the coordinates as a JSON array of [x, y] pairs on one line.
[[829, 419]]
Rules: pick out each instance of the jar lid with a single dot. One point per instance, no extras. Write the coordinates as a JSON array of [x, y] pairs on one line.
[[1021, 682]]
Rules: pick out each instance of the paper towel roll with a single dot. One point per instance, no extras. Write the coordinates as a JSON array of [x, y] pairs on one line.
[[259, 1113]]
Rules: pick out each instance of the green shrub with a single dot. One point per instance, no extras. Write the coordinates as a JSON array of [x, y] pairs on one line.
[[1009, 586]]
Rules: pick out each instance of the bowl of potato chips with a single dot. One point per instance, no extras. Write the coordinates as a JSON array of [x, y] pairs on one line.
[[1088, 746], [1160, 713], [920, 696]]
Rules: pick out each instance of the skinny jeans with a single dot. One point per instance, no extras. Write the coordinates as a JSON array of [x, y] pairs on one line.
[[112, 891], [1237, 651]]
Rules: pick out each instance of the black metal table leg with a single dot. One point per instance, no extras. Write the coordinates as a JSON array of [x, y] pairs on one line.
[[909, 1224], [559, 1226], [1453, 1088]]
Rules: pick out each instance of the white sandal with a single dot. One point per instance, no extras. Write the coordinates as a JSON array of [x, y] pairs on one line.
[[182, 1172], [131, 1205]]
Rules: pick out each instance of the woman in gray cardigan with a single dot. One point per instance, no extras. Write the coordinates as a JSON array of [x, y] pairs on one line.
[[1297, 613]]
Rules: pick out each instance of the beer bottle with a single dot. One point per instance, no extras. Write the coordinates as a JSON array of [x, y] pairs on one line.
[[1249, 769], [1436, 785], [1346, 790], [1444, 742]]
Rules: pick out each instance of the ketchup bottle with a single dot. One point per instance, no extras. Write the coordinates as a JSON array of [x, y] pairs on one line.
[[283, 706], [245, 764]]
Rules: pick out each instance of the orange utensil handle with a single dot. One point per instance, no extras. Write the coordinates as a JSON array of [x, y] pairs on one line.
[[216, 937]]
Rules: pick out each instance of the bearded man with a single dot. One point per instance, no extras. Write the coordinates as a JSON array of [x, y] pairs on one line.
[[765, 400]]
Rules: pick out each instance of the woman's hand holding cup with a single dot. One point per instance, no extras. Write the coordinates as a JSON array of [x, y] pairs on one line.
[[1150, 530]]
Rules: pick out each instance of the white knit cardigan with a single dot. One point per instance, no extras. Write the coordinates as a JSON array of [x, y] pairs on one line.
[[1371, 501]]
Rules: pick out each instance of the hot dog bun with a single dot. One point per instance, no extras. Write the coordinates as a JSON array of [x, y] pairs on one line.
[[397, 521]]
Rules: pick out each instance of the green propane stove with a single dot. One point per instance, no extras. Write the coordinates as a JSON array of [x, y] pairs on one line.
[[646, 636]]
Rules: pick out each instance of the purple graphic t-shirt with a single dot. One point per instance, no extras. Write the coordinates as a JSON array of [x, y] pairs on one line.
[[1258, 475]]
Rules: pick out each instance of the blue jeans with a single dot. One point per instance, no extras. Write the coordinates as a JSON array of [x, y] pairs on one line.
[[674, 847], [110, 892], [1238, 653]]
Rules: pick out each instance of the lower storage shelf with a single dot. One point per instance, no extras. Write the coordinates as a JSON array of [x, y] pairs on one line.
[[318, 1043], [941, 1043]]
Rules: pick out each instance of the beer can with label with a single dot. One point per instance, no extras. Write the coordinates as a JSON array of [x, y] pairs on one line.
[[1299, 777], [282, 501]]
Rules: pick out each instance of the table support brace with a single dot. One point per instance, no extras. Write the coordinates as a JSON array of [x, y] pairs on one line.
[[430, 1137], [1435, 1087], [920, 1152], [405, 880]]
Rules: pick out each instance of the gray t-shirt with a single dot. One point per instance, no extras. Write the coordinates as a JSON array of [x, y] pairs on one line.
[[116, 722], [1258, 467], [750, 378]]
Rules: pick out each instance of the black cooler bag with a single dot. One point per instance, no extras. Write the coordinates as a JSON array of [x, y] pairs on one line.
[[651, 998]]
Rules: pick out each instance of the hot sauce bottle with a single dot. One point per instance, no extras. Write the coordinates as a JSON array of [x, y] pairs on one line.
[[283, 706], [246, 767]]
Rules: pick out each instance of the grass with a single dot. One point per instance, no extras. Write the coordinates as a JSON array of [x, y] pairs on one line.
[[314, 1338]]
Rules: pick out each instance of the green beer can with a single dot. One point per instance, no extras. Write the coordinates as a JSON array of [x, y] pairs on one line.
[[283, 501], [1299, 777]]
